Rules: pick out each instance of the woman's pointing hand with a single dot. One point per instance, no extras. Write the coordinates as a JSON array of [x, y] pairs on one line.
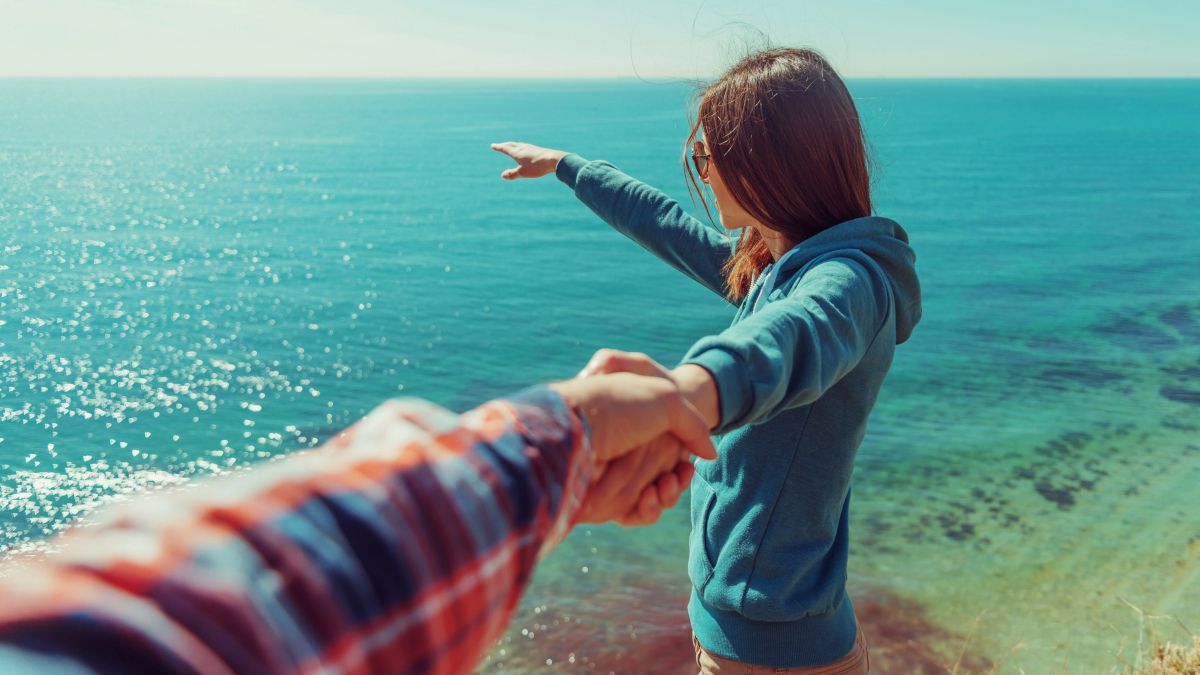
[[532, 161]]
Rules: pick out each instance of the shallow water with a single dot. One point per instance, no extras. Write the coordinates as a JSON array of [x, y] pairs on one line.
[[196, 276]]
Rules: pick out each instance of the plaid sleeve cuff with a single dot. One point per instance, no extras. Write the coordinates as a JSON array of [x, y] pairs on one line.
[[579, 479], [568, 499], [574, 495]]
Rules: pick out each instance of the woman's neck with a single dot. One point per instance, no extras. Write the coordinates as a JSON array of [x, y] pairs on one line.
[[777, 243]]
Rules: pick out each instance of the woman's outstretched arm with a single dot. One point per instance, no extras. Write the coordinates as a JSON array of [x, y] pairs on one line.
[[641, 212]]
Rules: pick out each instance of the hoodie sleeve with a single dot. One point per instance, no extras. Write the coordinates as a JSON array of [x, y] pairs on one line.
[[795, 348], [651, 218]]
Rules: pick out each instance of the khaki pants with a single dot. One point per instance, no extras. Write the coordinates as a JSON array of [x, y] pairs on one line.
[[856, 662]]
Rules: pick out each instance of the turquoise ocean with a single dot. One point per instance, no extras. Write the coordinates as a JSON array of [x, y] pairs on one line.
[[197, 275]]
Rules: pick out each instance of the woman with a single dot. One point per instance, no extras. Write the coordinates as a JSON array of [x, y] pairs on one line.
[[824, 293]]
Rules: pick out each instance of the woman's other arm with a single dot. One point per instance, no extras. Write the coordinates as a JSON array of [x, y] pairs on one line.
[[794, 349], [786, 355]]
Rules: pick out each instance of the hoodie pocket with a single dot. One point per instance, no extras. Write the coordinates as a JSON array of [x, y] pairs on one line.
[[700, 559]]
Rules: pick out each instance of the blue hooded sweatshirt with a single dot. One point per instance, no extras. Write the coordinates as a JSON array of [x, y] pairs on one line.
[[797, 375]]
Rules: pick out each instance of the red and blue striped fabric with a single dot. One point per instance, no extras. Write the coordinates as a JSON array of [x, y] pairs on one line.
[[401, 546]]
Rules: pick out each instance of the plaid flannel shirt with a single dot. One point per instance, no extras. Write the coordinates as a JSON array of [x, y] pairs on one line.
[[401, 546]]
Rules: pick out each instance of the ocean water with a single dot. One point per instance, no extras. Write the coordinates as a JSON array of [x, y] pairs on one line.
[[199, 275]]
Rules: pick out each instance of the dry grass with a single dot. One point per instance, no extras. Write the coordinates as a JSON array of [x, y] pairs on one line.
[[1173, 659], [1168, 658]]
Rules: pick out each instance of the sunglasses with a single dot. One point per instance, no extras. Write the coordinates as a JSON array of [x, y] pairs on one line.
[[700, 158]]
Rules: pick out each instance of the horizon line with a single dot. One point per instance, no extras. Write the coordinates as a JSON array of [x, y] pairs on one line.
[[568, 78]]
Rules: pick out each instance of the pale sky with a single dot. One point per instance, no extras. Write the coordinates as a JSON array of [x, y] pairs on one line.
[[601, 38]]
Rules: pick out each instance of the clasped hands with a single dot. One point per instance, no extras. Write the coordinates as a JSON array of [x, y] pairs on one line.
[[645, 426]]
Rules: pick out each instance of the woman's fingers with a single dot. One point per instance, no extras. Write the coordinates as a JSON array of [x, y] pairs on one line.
[[664, 494], [645, 512], [532, 161], [668, 489], [672, 484], [508, 148], [659, 496], [607, 497], [649, 508], [615, 361], [684, 471], [651, 504], [518, 152], [624, 482]]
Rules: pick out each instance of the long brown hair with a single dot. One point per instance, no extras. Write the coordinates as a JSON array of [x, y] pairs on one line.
[[785, 136]]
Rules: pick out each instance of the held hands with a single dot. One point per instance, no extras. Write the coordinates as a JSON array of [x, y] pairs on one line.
[[532, 161], [643, 430]]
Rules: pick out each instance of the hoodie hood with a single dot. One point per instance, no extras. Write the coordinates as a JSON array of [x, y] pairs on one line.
[[886, 244]]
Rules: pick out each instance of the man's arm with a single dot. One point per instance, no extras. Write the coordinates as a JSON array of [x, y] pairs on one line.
[[402, 545]]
